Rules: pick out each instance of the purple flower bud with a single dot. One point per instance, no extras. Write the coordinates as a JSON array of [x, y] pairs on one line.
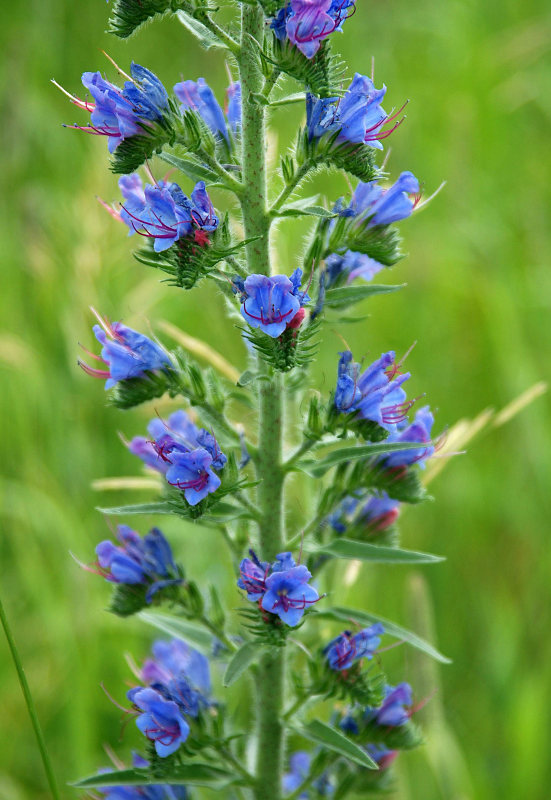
[[381, 755], [299, 768], [125, 352], [392, 713], [385, 206]]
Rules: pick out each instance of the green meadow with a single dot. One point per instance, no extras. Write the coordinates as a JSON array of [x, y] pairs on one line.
[[477, 301]]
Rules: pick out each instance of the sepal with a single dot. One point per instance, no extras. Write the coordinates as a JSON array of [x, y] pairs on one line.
[[356, 159], [129, 599], [294, 348], [188, 261], [322, 75], [134, 151]]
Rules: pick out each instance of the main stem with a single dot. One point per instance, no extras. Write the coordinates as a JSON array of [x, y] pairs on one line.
[[270, 673]]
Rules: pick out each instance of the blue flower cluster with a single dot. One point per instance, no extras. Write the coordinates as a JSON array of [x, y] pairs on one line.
[[375, 394], [198, 96], [271, 304], [347, 648], [122, 113], [356, 118], [149, 792], [306, 23], [177, 688], [280, 588], [371, 206], [299, 769], [125, 352], [186, 455], [162, 212], [148, 561]]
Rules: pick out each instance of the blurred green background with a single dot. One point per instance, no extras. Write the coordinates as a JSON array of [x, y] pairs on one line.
[[478, 302]]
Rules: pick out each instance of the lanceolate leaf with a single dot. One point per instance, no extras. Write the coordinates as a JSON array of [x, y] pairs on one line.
[[181, 628], [308, 211], [205, 37], [345, 296], [363, 551], [193, 774], [190, 167], [318, 468], [244, 657], [352, 615], [327, 736], [141, 508]]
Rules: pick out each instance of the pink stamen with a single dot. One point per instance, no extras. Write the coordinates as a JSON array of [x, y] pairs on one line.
[[95, 373]]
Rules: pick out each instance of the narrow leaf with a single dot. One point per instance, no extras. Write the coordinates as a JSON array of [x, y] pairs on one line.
[[349, 615], [247, 377], [348, 295], [240, 662], [205, 37], [190, 167], [327, 736], [298, 97], [308, 211], [180, 628], [363, 551], [193, 774], [318, 468], [140, 508]]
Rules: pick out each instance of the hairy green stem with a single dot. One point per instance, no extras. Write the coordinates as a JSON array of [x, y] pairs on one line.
[[48, 769], [271, 668], [288, 190]]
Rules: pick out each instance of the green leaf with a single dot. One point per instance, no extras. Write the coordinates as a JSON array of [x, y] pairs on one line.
[[326, 736], [190, 167], [363, 551], [240, 661], [205, 37], [308, 211], [349, 615], [347, 295], [318, 468], [141, 508], [180, 628], [303, 202], [247, 377], [193, 774]]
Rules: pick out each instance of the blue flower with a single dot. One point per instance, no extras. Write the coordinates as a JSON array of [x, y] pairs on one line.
[[176, 659], [253, 574], [375, 394], [199, 97], [147, 561], [347, 648], [352, 265], [299, 769], [384, 206], [418, 431], [192, 474], [122, 113], [125, 352], [392, 713], [288, 594], [269, 303], [164, 213], [283, 561], [381, 755], [183, 453], [307, 22], [356, 118], [161, 721]]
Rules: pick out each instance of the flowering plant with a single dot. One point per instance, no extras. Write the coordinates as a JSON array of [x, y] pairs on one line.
[[359, 443]]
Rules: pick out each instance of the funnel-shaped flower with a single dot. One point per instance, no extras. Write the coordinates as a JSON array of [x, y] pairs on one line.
[[161, 721], [198, 96], [288, 594], [418, 431], [347, 648], [306, 23]]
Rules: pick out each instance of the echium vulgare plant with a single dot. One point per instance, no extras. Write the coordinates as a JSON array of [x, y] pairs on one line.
[[362, 444]]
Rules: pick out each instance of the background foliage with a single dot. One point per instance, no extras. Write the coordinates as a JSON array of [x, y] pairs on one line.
[[478, 301]]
